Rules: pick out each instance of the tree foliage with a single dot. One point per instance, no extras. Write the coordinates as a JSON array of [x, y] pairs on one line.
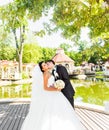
[[7, 52], [69, 16], [32, 53], [15, 16], [48, 53], [65, 46], [72, 15]]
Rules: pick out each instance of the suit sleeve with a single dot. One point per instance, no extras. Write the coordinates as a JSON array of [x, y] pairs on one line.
[[64, 74], [65, 77]]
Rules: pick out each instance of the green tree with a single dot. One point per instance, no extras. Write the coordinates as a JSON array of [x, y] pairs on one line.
[[32, 53], [66, 47], [71, 15], [106, 50], [97, 51], [15, 17], [7, 52], [48, 53], [13, 22]]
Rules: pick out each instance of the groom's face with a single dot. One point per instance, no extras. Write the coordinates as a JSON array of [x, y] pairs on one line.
[[50, 65]]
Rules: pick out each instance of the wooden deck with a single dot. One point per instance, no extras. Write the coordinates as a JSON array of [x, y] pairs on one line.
[[12, 115]]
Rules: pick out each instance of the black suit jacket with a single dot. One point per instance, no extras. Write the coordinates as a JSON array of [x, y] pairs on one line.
[[68, 90]]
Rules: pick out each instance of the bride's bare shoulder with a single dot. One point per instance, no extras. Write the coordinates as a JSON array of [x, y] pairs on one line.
[[47, 73]]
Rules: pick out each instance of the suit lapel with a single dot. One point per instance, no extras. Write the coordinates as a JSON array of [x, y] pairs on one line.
[[58, 71]]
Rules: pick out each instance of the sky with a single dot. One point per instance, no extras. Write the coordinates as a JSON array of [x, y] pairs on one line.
[[4, 2], [53, 40]]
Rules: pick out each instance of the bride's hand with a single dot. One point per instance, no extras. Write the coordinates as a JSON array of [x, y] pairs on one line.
[[52, 86], [59, 89]]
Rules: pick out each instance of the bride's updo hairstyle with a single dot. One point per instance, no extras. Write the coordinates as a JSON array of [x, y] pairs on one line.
[[40, 65]]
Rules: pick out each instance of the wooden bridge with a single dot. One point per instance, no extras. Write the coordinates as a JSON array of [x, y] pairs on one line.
[[12, 115]]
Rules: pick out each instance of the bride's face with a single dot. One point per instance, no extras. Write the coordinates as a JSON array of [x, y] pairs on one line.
[[44, 66]]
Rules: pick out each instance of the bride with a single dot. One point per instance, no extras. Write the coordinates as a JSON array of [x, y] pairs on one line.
[[49, 109]]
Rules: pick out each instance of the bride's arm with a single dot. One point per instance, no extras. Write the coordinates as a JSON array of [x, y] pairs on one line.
[[46, 76]]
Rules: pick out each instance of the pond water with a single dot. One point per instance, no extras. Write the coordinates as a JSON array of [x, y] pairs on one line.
[[93, 92], [15, 91], [88, 91]]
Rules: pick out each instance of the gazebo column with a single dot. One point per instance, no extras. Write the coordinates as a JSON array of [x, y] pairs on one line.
[[2, 74]]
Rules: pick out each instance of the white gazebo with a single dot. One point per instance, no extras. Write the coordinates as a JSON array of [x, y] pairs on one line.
[[9, 70]]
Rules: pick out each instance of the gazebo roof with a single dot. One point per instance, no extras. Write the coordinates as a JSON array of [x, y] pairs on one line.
[[61, 57]]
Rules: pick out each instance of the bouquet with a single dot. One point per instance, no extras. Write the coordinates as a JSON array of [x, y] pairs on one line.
[[59, 84]]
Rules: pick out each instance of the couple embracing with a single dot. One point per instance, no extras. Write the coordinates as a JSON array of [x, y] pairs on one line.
[[51, 106]]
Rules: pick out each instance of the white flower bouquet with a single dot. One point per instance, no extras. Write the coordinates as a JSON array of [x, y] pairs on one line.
[[59, 84]]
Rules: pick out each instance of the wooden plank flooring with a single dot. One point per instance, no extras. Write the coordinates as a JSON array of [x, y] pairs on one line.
[[12, 116]]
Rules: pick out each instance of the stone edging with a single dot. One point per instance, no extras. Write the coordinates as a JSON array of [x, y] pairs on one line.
[[92, 107]]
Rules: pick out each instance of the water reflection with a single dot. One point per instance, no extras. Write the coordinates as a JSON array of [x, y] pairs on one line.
[[15, 91], [91, 91]]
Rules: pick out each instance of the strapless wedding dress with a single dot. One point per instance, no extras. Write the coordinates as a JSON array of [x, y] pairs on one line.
[[50, 110]]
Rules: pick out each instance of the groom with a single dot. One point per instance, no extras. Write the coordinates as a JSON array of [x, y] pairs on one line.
[[60, 72]]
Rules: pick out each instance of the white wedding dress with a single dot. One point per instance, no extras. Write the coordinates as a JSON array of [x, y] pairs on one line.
[[49, 110]]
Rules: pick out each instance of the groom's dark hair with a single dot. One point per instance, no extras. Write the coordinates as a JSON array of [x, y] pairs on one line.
[[51, 61]]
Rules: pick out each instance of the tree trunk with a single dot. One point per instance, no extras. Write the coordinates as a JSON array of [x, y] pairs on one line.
[[19, 47], [20, 65]]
